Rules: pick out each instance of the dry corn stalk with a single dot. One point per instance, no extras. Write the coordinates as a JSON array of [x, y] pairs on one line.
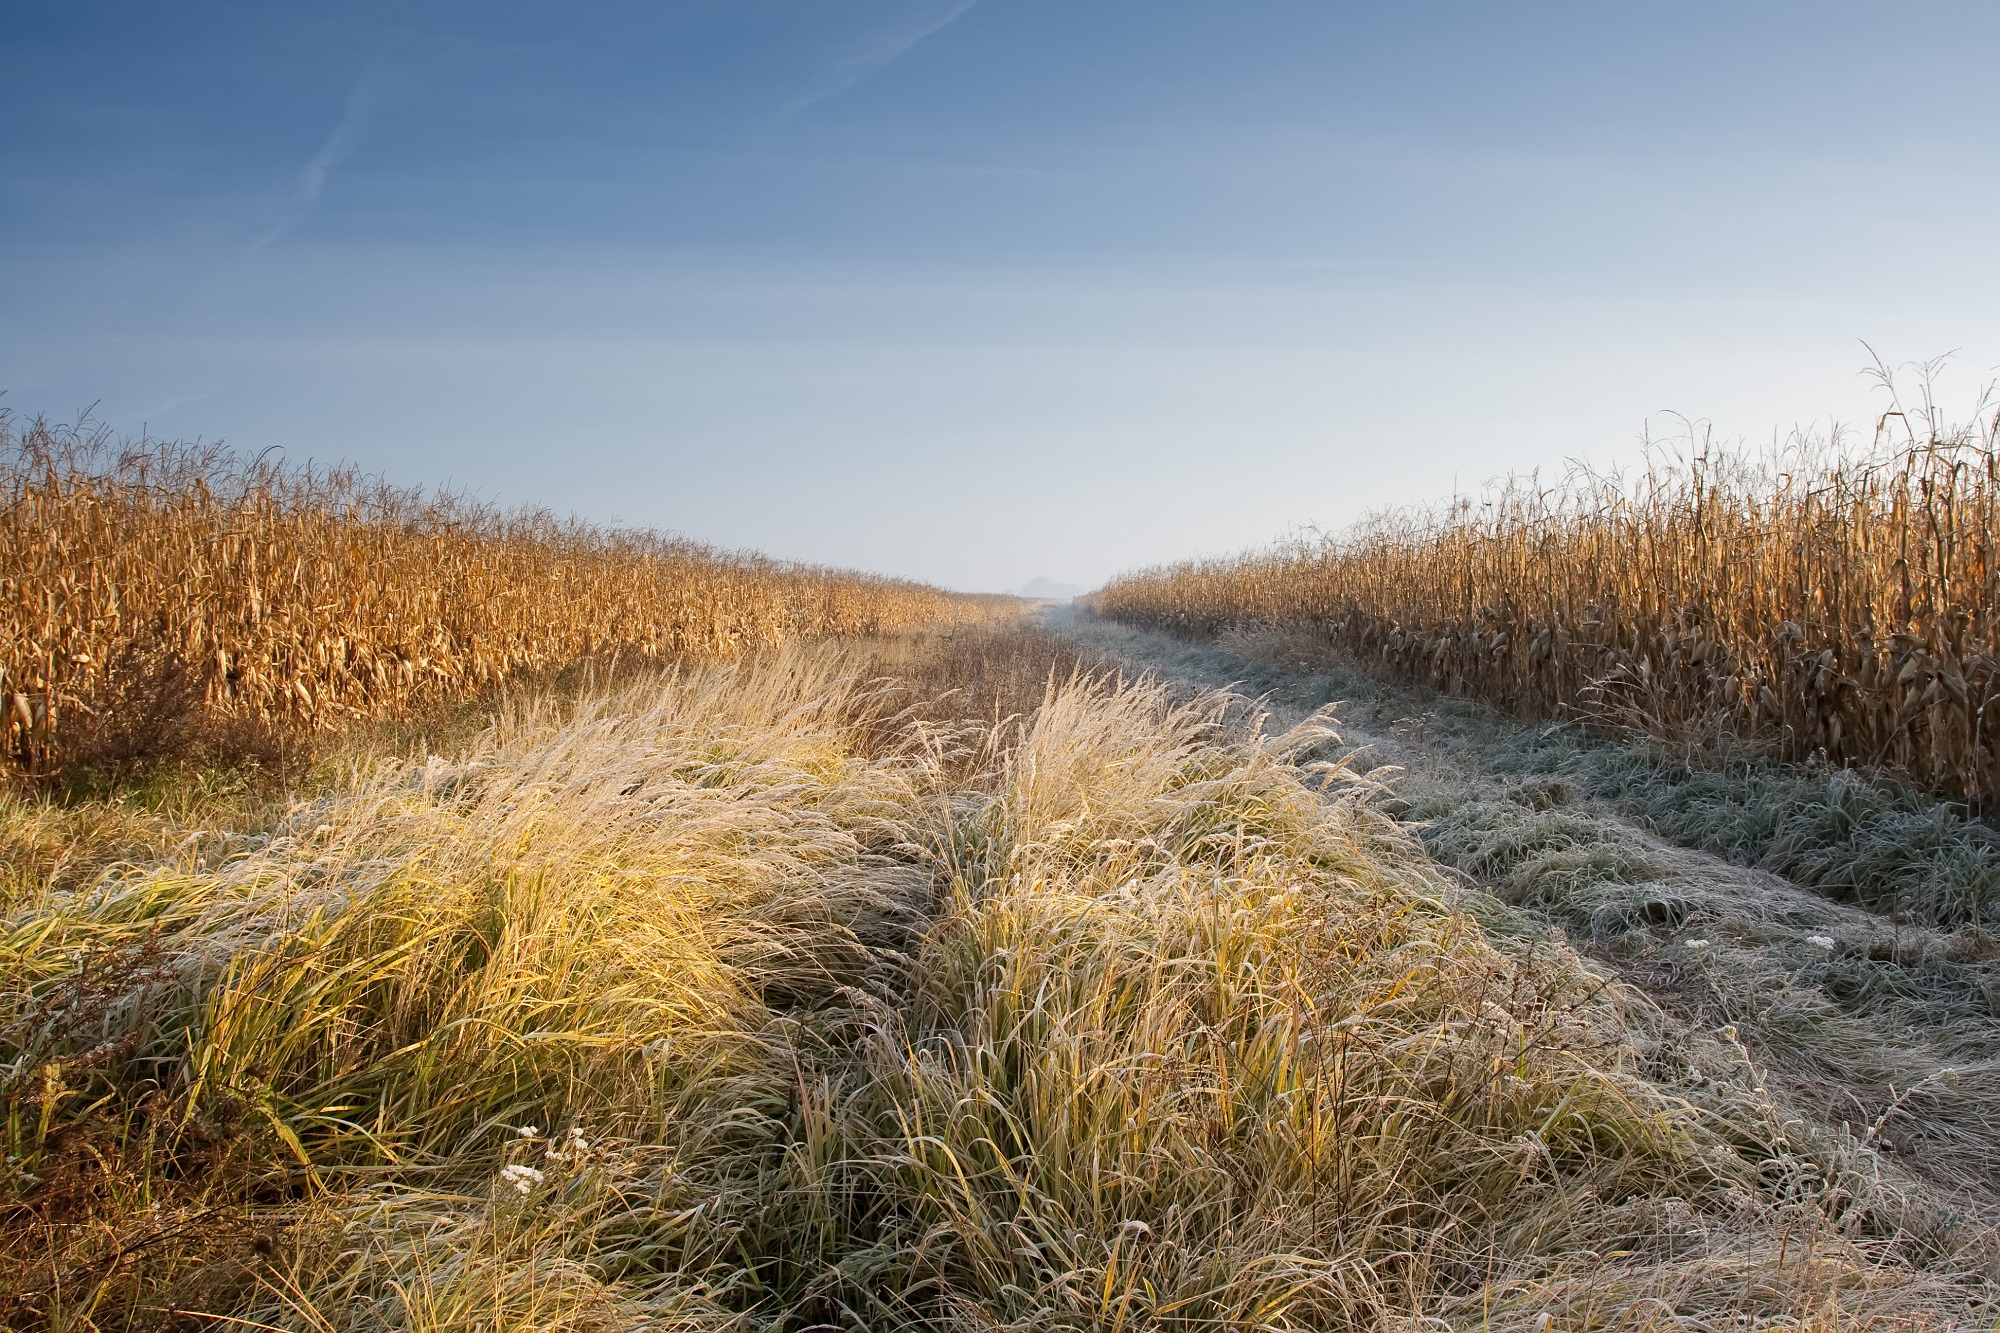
[[299, 598], [1822, 604]]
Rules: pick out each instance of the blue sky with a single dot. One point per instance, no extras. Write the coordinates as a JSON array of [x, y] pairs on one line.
[[978, 291]]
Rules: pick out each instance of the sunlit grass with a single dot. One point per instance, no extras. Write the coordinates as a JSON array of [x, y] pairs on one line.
[[721, 998]]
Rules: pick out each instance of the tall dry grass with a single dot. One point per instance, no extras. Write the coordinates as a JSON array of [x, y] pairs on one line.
[[150, 590], [1821, 601], [281, 1074], [710, 1004]]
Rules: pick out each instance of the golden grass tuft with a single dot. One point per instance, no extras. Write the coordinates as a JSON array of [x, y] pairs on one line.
[[319, 1048]]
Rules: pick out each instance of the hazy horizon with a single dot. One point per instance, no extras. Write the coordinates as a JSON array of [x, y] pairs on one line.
[[979, 292]]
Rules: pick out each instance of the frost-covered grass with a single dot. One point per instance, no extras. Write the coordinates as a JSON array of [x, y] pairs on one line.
[[770, 996]]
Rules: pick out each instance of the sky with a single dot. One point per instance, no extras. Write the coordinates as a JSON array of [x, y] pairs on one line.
[[975, 291]]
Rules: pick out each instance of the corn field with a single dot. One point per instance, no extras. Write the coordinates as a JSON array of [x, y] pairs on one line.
[[1813, 603], [142, 582]]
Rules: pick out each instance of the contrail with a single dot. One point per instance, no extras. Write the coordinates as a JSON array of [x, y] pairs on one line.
[[870, 60], [339, 146]]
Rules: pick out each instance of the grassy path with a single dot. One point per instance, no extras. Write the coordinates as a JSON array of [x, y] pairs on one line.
[[1867, 1021], [941, 985]]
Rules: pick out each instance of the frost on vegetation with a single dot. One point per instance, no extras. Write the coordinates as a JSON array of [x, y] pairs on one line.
[[1854, 835], [1531, 816], [1122, 1014]]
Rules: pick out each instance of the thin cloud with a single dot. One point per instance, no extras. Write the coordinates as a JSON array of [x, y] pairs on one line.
[[319, 168], [873, 57]]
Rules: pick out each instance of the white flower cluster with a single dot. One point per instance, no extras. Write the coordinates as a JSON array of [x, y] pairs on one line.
[[522, 1178], [573, 1147]]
